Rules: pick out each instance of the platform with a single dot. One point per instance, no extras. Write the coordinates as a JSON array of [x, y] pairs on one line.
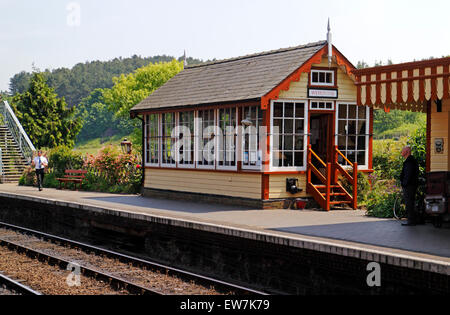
[[344, 232]]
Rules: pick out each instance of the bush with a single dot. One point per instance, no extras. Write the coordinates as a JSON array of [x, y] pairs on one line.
[[62, 158], [381, 198], [363, 187]]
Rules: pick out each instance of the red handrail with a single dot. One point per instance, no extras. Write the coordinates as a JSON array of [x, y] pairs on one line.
[[337, 168]]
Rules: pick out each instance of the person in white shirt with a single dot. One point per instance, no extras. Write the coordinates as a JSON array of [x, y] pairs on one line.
[[40, 163]]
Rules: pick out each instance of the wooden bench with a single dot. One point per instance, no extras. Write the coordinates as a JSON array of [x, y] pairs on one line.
[[72, 176]]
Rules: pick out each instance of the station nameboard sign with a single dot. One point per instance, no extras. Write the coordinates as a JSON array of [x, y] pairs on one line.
[[322, 93]]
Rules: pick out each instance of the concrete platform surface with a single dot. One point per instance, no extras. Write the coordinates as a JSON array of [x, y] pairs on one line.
[[345, 232]]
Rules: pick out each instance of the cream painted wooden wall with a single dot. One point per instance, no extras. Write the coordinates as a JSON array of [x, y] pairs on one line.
[[440, 129], [346, 86], [277, 186], [204, 182]]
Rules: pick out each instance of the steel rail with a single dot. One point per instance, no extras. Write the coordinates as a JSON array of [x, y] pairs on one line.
[[114, 282], [220, 285], [16, 286]]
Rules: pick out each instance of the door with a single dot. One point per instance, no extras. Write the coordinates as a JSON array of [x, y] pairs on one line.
[[321, 137]]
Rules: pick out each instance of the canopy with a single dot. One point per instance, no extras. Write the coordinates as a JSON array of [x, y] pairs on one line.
[[406, 86]]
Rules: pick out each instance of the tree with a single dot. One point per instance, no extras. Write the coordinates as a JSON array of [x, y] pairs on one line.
[[45, 117]]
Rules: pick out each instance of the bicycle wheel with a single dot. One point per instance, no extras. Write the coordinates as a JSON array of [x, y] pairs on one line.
[[399, 209]]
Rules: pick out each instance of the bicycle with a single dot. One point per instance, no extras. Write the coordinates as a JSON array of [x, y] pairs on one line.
[[399, 208]]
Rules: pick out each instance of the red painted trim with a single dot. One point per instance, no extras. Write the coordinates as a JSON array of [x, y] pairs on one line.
[[371, 138], [403, 66], [388, 89], [428, 148], [410, 97], [306, 67], [378, 90], [265, 187], [433, 84], [421, 85]]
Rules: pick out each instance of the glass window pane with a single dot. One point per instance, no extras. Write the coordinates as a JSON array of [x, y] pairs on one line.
[[315, 77], [288, 143], [278, 110], [288, 159], [362, 112], [289, 110], [299, 110], [329, 77], [351, 144], [299, 143], [361, 127], [321, 77], [361, 158], [277, 160], [278, 123], [299, 126], [342, 127], [299, 159], [342, 142], [288, 126], [342, 111], [362, 143], [351, 111]]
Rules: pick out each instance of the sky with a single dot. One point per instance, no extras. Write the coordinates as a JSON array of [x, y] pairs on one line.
[[51, 34]]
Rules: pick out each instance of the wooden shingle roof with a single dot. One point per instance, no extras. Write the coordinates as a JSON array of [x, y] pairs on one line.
[[238, 79]]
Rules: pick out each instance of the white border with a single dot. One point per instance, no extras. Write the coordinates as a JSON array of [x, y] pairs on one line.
[[322, 84], [366, 165], [305, 143]]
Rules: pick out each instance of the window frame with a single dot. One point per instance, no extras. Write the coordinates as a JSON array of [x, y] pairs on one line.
[[147, 139], [199, 140], [305, 137], [175, 117], [364, 166], [322, 84], [216, 139], [242, 144], [193, 139]]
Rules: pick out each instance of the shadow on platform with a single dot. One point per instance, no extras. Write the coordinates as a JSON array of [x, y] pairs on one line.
[[386, 233], [172, 205]]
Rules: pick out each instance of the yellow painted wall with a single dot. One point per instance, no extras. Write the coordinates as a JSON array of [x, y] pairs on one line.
[[440, 129], [214, 183], [346, 86], [277, 186]]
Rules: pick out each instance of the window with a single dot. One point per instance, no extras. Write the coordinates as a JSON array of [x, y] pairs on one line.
[[289, 135], [227, 138], [206, 138], [167, 126], [251, 150], [152, 139], [186, 135], [322, 77], [322, 105], [352, 137]]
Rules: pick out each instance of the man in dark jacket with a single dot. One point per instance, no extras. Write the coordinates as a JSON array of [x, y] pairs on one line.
[[410, 180]]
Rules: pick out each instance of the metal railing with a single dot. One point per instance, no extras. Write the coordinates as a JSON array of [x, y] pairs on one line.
[[20, 137], [2, 173]]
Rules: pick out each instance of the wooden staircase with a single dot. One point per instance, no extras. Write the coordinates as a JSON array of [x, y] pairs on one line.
[[11, 157], [329, 192]]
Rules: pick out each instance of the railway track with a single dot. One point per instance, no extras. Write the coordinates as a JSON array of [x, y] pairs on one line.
[[122, 272], [10, 286]]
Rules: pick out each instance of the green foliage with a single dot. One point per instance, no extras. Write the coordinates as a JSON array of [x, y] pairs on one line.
[[388, 164], [387, 159], [63, 158], [397, 123], [80, 81], [98, 120], [381, 198], [131, 89], [44, 116], [363, 187]]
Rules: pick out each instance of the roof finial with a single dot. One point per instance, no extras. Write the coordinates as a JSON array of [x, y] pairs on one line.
[[184, 59], [330, 44]]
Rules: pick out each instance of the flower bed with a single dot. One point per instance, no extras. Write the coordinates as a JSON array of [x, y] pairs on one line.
[[108, 171]]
